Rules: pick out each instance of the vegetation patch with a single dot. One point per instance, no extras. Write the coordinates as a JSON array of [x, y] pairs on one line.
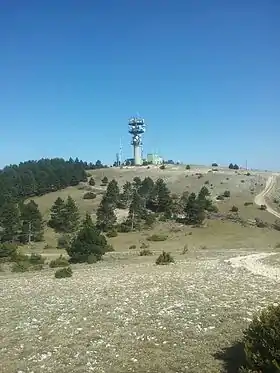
[[63, 272], [89, 195], [164, 258], [262, 342], [157, 237]]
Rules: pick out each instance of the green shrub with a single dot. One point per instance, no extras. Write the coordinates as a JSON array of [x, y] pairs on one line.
[[91, 181], [132, 247], [226, 194], [162, 167], [8, 251], [260, 223], [242, 181], [263, 207], [234, 209], [262, 341], [89, 195], [21, 266], [157, 237], [145, 252], [36, 259], [164, 258], [59, 262], [144, 245], [123, 228], [111, 234], [104, 181], [277, 245], [91, 259], [206, 182], [248, 203], [188, 167], [63, 272], [63, 241], [220, 197]]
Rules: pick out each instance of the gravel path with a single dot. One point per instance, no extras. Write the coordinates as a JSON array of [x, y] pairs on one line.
[[260, 199]]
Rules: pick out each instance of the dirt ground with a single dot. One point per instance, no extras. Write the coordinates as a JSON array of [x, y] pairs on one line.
[[133, 316], [125, 314]]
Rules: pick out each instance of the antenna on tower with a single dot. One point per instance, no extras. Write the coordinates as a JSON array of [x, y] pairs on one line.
[[136, 129]]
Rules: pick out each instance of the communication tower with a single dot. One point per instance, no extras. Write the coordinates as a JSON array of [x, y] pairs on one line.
[[136, 129]]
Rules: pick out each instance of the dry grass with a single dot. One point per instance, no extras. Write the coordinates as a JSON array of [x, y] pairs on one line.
[[129, 316]]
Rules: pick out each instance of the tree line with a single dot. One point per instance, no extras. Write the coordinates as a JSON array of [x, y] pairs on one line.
[[147, 201], [21, 221]]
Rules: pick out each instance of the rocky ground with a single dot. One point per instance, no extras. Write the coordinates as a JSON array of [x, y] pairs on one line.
[[134, 316]]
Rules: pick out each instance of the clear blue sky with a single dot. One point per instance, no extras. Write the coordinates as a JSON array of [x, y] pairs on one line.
[[205, 75]]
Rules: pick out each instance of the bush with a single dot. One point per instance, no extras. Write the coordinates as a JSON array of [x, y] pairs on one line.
[[260, 223], [89, 195], [59, 262], [91, 181], [21, 266], [188, 167], [262, 341], [144, 245], [263, 207], [112, 234], [162, 167], [8, 251], [277, 246], [164, 258], [206, 182], [276, 225], [226, 194], [234, 209], [36, 259], [145, 252], [63, 272], [123, 228], [220, 197], [248, 203], [91, 259], [132, 247], [63, 241], [157, 237], [104, 181]]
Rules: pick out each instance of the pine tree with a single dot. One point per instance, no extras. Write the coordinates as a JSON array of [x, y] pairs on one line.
[[113, 192], [88, 242], [32, 223], [137, 183], [57, 215], [10, 222], [105, 215], [146, 187], [104, 181], [194, 210], [136, 211], [91, 181], [164, 200], [126, 195], [70, 216]]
